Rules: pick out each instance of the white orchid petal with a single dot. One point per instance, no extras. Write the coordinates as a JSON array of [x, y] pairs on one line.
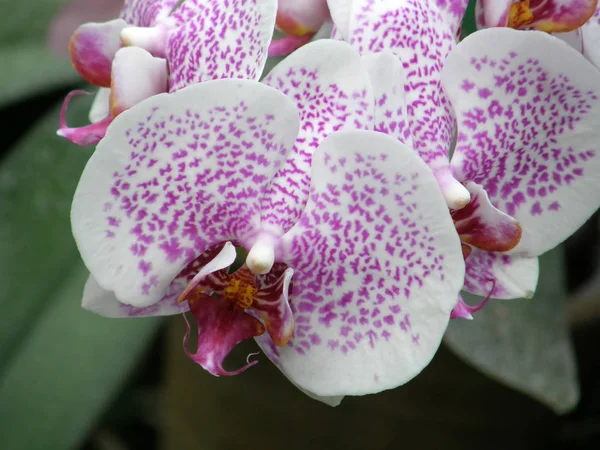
[[377, 268], [175, 175], [528, 108]]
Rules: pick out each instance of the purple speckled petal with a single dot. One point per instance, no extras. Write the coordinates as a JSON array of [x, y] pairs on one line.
[[92, 49], [387, 77], [332, 91], [416, 32], [591, 38], [492, 13], [528, 112], [145, 13], [514, 276], [453, 12], [378, 267], [175, 175], [219, 39]]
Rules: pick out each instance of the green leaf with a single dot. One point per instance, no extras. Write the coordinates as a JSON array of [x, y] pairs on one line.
[[525, 344], [37, 181], [28, 69], [28, 65], [59, 365], [468, 25], [68, 368]]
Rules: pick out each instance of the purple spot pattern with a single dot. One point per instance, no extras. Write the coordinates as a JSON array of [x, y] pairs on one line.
[[513, 133], [453, 11], [324, 107], [419, 35], [218, 39], [144, 13], [184, 186], [169, 304], [360, 249]]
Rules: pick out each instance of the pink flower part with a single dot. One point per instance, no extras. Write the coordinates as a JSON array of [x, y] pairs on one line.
[[527, 107], [219, 39], [559, 16], [481, 225], [378, 267], [462, 310], [591, 38], [93, 47], [387, 76], [146, 13], [332, 92], [136, 76], [514, 276], [492, 13], [90, 134], [221, 326], [176, 177], [301, 17]]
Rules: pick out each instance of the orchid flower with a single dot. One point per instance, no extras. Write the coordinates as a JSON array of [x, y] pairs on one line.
[[165, 50], [563, 18], [300, 20], [182, 179], [527, 111]]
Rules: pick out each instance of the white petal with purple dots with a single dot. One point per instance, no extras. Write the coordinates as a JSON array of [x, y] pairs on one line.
[[377, 268], [528, 110], [332, 92], [175, 175], [509, 276], [218, 39]]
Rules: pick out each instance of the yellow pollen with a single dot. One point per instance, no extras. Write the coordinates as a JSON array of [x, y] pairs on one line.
[[520, 14], [240, 293]]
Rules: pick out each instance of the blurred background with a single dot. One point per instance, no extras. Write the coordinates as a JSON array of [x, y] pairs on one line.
[[523, 374]]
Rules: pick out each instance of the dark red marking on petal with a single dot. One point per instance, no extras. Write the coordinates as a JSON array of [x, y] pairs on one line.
[[482, 225], [221, 326]]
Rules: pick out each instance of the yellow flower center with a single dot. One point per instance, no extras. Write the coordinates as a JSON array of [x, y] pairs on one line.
[[241, 289], [520, 14]]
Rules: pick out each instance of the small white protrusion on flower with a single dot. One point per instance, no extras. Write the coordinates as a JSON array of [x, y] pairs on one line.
[[261, 257], [151, 39], [456, 195]]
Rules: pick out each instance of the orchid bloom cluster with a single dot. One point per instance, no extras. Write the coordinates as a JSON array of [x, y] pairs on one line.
[[319, 211]]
